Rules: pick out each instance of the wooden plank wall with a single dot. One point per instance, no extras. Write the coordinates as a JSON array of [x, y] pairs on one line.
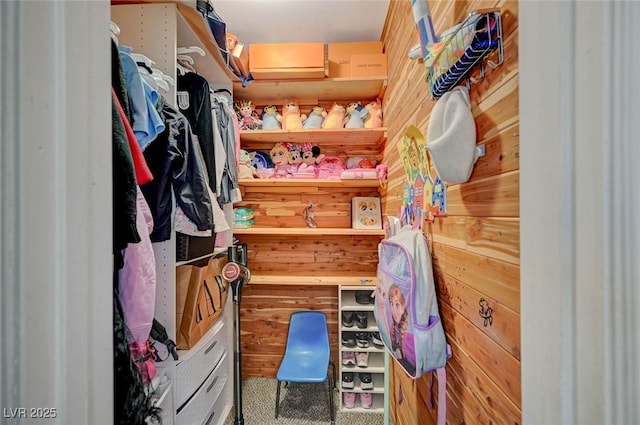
[[264, 318], [265, 309], [476, 252]]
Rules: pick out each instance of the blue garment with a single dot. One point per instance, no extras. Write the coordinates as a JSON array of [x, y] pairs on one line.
[[137, 97], [156, 125]]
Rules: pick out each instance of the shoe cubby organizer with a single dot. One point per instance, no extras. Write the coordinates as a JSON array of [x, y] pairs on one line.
[[464, 49]]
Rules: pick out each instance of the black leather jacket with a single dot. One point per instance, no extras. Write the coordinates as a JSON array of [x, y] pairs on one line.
[[175, 162]]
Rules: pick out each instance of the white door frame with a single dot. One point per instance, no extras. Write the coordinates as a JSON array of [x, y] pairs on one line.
[[579, 112], [56, 349], [580, 235]]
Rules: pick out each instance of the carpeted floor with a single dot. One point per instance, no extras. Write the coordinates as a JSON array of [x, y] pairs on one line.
[[299, 405]]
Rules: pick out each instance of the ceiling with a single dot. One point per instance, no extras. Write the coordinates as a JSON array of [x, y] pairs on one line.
[[281, 21]]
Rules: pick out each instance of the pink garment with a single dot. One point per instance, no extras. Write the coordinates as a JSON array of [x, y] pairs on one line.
[[142, 354], [137, 286]]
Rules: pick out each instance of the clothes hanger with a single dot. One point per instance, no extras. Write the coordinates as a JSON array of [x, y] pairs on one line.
[[181, 69], [187, 66], [191, 49], [164, 76], [115, 31], [186, 58], [139, 57]]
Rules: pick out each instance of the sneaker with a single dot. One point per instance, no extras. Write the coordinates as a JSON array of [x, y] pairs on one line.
[[349, 400], [348, 339], [365, 381], [366, 400], [348, 358], [362, 339], [376, 340], [347, 380], [361, 319], [347, 319], [362, 359], [364, 297]]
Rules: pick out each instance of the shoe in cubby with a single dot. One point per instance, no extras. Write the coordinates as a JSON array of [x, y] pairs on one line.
[[347, 319], [366, 400], [362, 359], [348, 358], [361, 319], [349, 400], [362, 339], [349, 339], [366, 382], [347, 380], [376, 340]]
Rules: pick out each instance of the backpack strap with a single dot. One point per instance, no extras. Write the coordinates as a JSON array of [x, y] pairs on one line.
[[442, 391], [442, 395]]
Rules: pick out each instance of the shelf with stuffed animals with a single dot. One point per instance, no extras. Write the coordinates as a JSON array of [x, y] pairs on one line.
[[312, 142], [333, 183], [335, 136]]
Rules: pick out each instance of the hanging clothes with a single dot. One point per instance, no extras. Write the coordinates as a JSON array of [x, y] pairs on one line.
[[118, 81], [143, 126], [124, 189], [143, 174], [229, 190], [171, 161], [195, 103], [137, 280]]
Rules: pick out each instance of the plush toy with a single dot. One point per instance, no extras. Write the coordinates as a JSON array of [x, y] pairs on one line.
[[316, 117], [311, 154], [335, 117], [359, 161], [355, 115], [291, 118], [245, 169], [247, 114], [295, 152], [374, 118], [271, 118], [281, 160]]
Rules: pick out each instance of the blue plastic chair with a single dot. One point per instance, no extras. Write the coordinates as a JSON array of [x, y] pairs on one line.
[[307, 354]]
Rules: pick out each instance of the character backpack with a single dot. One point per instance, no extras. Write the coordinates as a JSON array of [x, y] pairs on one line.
[[406, 308]]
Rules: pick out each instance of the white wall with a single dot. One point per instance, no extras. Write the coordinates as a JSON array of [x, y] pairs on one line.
[[579, 123], [55, 177]]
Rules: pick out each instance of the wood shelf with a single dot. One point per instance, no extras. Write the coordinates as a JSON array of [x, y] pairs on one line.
[[345, 137], [367, 281], [308, 183], [306, 231], [312, 91], [193, 30]]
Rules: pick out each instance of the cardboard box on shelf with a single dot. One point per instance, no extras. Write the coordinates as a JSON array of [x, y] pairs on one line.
[[286, 60], [339, 56], [372, 65], [240, 55]]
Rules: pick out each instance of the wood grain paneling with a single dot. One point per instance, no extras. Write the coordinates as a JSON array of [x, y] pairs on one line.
[[264, 318], [476, 248], [319, 255]]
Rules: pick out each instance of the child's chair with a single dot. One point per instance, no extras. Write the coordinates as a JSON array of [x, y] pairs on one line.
[[307, 354]]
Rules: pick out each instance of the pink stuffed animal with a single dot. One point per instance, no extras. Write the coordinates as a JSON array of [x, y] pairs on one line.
[[281, 159], [291, 118], [374, 118]]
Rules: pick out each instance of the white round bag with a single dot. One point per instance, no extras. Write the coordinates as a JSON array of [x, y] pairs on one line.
[[451, 136]]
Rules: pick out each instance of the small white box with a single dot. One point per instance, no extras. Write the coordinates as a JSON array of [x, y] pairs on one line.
[[365, 213]]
